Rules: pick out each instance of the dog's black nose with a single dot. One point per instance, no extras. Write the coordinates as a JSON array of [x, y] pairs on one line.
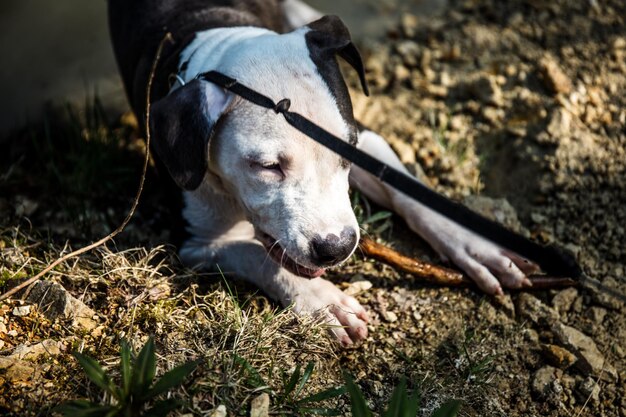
[[333, 249]]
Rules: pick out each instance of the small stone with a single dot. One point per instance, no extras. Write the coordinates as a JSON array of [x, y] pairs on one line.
[[3, 328], [260, 406], [563, 300], [588, 389], [21, 311], [401, 73], [55, 302], [590, 360], [559, 357], [390, 316], [553, 76], [483, 88], [409, 25], [531, 308], [358, 285], [596, 314], [33, 352], [220, 411], [543, 380]]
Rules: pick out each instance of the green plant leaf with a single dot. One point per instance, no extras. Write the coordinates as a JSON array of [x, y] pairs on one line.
[[162, 408], [381, 215], [449, 409], [308, 371], [290, 385], [84, 408], [144, 370], [125, 367], [396, 406], [171, 379], [358, 404], [255, 378], [324, 395], [95, 373]]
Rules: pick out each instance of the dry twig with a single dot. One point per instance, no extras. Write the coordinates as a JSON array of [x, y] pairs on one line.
[[33, 279], [439, 275]]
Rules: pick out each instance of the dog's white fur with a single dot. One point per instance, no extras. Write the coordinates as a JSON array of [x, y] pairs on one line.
[[239, 198]]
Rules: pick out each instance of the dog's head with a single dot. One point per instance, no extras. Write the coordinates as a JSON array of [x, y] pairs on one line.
[[293, 190]]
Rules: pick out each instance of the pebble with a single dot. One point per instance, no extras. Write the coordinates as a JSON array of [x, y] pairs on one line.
[[55, 302], [531, 308], [588, 389], [596, 314], [558, 356], [563, 300], [21, 311], [220, 411], [590, 360], [553, 76], [543, 380], [260, 406]]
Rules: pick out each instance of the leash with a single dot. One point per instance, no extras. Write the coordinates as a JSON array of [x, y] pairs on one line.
[[552, 260]]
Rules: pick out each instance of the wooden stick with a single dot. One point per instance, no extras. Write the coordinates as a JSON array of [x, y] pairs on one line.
[[439, 275], [131, 212]]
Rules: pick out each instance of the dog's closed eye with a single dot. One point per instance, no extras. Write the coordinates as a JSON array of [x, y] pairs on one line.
[[267, 168]]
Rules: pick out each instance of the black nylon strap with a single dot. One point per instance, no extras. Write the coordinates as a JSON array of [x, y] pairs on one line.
[[552, 260]]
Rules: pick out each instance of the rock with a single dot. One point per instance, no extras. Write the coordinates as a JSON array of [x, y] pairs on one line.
[[21, 311], [409, 25], [33, 352], [390, 316], [54, 301], [497, 209], [260, 406], [588, 389], [483, 88], [543, 380], [220, 411], [560, 124], [15, 370], [590, 360], [563, 300], [607, 300], [596, 314], [357, 285], [558, 356], [553, 76], [531, 308]]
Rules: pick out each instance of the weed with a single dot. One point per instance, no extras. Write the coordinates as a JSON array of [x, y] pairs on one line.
[[136, 389], [401, 403]]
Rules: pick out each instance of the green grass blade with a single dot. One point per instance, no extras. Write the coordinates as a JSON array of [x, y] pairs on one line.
[[308, 371], [449, 409], [381, 215], [83, 408], [125, 367], [255, 378], [145, 368], [95, 373], [396, 406], [324, 395], [162, 408], [291, 383], [358, 404], [172, 379]]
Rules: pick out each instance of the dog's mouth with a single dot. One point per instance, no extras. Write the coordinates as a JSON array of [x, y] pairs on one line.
[[278, 254]]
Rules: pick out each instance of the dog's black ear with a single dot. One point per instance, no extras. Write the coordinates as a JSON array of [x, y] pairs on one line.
[[182, 124], [328, 37]]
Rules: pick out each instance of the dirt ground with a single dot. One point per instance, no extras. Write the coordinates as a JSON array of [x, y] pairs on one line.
[[516, 108]]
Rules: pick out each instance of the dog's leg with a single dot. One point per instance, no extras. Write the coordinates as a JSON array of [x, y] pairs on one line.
[[490, 266], [223, 238], [297, 13]]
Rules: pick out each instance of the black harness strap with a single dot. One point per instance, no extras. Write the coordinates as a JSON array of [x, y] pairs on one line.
[[551, 260]]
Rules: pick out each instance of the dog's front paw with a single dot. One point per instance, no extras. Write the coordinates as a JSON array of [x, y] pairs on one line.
[[489, 265], [346, 318]]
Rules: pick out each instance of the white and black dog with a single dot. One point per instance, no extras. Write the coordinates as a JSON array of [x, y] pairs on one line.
[[261, 200]]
